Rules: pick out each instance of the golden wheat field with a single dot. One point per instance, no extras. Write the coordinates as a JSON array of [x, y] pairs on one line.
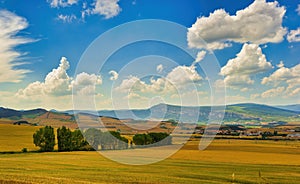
[[15, 138], [224, 161]]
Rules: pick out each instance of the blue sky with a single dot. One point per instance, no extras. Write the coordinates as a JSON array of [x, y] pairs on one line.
[[256, 44]]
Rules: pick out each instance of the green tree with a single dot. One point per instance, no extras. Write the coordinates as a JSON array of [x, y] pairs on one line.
[[119, 142], [173, 122], [70, 141], [106, 140], [44, 138], [152, 138], [142, 139], [93, 137], [64, 139], [161, 138], [78, 141]]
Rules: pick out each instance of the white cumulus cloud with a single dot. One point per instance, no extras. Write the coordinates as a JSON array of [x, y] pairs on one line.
[[107, 8], [58, 83], [248, 62], [131, 83], [179, 78], [273, 92], [85, 84], [298, 9], [294, 35], [182, 75], [284, 76], [259, 23], [200, 56], [10, 25], [295, 92], [61, 3]]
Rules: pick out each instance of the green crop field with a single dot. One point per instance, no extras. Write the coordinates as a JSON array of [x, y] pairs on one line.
[[249, 161]]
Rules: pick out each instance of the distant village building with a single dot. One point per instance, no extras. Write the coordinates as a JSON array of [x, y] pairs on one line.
[[253, 133], [293, 135]]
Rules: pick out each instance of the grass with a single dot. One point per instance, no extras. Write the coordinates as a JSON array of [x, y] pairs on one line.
[[251, 162], [83, 167], [16, 137]]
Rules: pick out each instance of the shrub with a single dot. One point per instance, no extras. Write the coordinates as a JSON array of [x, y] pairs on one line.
[[24, 150]]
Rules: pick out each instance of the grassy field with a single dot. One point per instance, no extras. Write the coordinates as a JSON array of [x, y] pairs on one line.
[[250, 161], [14, 137]]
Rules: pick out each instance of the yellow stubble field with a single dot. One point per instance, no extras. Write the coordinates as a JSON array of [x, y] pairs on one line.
[[224, 161]]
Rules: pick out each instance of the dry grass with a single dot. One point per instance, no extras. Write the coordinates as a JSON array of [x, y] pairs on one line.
[[54, 120], [277, 162], [5, 121], [244, 151], [90, 167], [16, 137]]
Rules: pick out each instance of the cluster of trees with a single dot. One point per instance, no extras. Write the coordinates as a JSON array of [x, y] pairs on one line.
[[93, 139], [67, 140], [105, 140], [266, 134], [158, 139]]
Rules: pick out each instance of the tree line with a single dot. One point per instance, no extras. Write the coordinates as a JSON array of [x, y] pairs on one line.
[[153, 139], [105, 140], [67, 140], [93, 139]]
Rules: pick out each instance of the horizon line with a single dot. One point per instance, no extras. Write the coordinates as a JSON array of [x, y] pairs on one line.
[[217, 105]]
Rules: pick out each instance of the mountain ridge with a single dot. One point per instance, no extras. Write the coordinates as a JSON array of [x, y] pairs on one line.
[[234, 112], [293, 107]]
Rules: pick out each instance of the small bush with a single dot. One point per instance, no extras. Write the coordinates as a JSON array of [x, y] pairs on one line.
[[24, 150]]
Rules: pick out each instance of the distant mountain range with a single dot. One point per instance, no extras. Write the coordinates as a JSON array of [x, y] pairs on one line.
[[18, 114], [295, 107], [237, 112], [233, 113]]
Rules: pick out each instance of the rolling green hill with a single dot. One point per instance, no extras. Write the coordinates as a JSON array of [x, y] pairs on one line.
[[262, 112]]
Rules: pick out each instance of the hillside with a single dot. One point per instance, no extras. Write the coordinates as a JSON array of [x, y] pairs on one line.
[[295, 107], [36, 117], [233, 113], [262, 112], [237, 112], [14, 114]]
